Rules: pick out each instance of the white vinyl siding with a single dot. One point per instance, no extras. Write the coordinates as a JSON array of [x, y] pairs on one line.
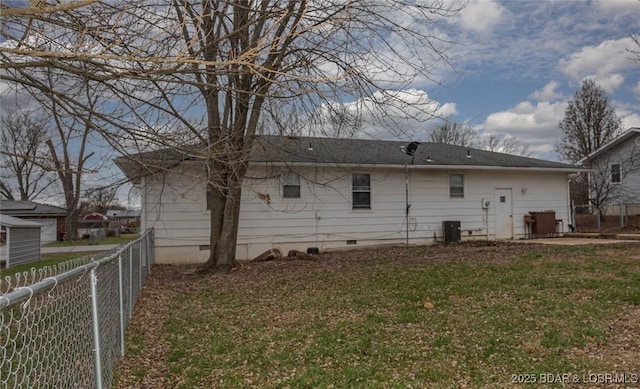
[[324, 216]]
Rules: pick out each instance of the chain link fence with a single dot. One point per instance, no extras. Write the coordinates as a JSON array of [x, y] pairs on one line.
[[63, 326], [613, 217]]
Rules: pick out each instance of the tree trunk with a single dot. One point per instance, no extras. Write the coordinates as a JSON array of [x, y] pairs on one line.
[[217, 203], [225, 212], [71, 224]]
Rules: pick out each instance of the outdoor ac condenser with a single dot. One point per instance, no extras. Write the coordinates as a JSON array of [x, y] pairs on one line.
[[451, 231]]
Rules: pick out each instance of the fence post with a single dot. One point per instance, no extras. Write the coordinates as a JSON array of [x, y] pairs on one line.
[[130, 281], [147, 242], [139, 268], [121, 298], [93, 281]]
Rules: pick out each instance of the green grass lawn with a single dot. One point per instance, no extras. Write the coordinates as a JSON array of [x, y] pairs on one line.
[[123, 238], [357, 319], [54, 259], [45, 260]]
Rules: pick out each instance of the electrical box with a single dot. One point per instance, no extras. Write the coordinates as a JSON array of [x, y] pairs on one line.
[[486, 203], [451, 230]]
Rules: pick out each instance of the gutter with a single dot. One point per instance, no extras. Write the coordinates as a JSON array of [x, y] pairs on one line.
[[426, 167]]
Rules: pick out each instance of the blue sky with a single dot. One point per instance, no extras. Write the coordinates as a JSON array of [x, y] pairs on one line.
[[517, 63]]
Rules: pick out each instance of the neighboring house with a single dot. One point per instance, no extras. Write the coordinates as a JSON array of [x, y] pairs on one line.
[[93, 225], [19, 241], [614, 179], [333, 193], [51, 218], [124, 219]]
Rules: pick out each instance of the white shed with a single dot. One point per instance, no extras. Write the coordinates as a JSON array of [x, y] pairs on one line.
[[20, 241]]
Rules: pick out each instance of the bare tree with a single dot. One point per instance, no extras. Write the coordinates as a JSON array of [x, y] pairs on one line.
[[68, 142], [228, 62], [21, 147], [589, 122], [454, 134], [635, 51], [101, 199], [504, 144]]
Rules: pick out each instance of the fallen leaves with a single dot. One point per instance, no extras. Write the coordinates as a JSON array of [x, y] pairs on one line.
[[372, 313]]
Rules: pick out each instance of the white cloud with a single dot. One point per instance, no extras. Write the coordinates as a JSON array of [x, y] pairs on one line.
[[616, 6], [388, 114], [547, 93], [629, 120], [628, 114], [603, 62], [636, 90], [481, 15], [535, 125], [543, 116], [609, 82]]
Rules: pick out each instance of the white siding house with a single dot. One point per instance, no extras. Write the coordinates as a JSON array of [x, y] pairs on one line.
[[615, 172], [337, 193]]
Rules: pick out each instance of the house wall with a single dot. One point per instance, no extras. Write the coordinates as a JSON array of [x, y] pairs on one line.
[[49, 229], [627, 154], [175, 205]]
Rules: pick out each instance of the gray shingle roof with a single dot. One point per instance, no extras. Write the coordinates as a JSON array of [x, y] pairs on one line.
[[375, 152], [287, 149], [11, 221], [29, 208]]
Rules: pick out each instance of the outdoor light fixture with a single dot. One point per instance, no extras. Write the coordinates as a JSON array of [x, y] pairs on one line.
[[410, 150], [429, 158], [468, 153], [310, 148]]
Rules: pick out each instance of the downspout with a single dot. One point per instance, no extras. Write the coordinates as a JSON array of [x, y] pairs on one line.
[[143, 208]]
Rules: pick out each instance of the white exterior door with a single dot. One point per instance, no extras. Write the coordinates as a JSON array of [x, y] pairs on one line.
[[503, 214]]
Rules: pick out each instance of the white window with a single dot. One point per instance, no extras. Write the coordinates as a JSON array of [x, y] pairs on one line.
[[456, 185], [291, 186], [361, 191], [615, 173]]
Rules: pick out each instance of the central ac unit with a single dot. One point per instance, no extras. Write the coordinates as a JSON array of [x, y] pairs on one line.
[[486, 203]]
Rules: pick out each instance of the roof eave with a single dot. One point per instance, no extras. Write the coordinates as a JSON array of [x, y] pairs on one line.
[[576, 169], [610, 144]]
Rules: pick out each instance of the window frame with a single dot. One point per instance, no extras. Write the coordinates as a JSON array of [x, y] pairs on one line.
[[207, 205], [456, 195], [359, 207], [618, 173], [286, 184]]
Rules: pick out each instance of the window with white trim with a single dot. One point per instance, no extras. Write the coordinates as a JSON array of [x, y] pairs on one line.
[[291, 185], [361, 191], [456, 185], [616, 177]]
